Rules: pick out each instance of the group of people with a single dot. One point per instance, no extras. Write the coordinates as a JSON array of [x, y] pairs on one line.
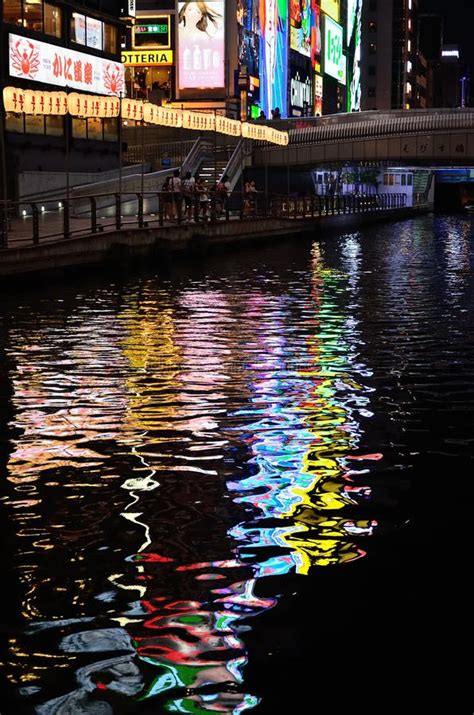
[[192, 199], [250, 198], [276, 114]]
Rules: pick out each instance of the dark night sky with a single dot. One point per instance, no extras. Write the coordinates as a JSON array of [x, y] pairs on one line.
[[458, 24]]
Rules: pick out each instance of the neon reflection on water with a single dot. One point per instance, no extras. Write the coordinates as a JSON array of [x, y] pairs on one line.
[[178, 605], [304, 438]]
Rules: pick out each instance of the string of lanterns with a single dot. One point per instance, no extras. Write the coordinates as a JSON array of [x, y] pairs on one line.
[[85, 105]]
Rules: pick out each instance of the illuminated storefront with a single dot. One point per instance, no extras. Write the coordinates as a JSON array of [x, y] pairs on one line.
[[149, 62], [51, 47]]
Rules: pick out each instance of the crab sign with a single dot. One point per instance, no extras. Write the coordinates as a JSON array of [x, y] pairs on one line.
[[25, 58], [113, 79]]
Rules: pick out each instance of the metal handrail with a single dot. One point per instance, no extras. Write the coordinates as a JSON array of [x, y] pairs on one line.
[[149, 210], [395, 126]]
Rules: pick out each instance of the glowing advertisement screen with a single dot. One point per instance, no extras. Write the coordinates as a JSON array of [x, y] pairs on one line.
[[41, 62], [300, 26], [351, 18], [334, 59], [354, 90], [318, 95], [273, 16], [332, 8], [316, 38], [201, 40]]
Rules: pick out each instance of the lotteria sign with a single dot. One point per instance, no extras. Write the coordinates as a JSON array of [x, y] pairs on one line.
[[334, 58], [61, 67]]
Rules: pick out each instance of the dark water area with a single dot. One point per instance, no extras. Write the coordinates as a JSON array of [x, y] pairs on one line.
[[237, 486]]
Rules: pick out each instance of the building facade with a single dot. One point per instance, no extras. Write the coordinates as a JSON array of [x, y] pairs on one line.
[[58, 46], [393, 71]]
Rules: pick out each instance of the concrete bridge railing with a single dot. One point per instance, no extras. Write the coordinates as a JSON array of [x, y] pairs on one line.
[[425, 136]]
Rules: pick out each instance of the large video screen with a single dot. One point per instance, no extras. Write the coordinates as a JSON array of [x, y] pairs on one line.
[[273, 16], [332, 8], [300, 26], [201, 41], [334, 58], [351, 18], [316, 38], [354, 83]]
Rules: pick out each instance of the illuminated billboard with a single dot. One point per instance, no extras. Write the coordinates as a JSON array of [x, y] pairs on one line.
[[300, 85], [273, 18], [300, 26], [354, 82], [318, 95], [201, 41], [62, 67], [351, 18], [332, 8], [316, 39], [334, 58]]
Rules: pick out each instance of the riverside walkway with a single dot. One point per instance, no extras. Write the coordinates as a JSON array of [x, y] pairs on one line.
[[89, 230]]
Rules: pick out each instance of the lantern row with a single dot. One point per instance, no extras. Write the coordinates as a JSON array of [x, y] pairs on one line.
[[85, 105]]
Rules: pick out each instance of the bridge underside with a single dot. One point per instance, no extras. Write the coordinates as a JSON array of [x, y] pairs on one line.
[[437, 149]]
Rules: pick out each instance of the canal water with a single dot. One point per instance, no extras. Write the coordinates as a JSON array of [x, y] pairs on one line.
[[234, 486]]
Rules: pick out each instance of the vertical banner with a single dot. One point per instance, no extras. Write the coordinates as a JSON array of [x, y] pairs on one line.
[[201, 41], [273, 15]]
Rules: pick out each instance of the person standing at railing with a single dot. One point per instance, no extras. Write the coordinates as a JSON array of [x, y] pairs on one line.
[[222, 195], [167, 199], [188, 186], [175, 187], [202, 199]]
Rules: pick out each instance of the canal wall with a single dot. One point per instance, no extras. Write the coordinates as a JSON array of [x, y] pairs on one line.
[[124, 247]]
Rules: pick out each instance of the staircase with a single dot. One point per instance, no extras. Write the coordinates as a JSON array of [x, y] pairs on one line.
[[213, 166]]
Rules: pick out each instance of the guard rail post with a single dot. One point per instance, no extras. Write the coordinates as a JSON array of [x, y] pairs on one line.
[[93, 204], [35, 214], [66, 221], [140, 210], [118, 211]]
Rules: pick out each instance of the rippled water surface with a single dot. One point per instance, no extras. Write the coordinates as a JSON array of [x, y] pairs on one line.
[[220, 479]]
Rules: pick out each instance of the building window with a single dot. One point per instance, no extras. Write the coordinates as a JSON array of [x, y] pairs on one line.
[[372, 70], [12, 12], [110, 39], [409, 179], [385, 179], [34, 124], [93, 33], [54, 125], [404, 179], [14, 123], [372, 26], [79, 128], [110, 130], [52, 20], [371, 92], [372, 48], [33, 16], [95, 129]]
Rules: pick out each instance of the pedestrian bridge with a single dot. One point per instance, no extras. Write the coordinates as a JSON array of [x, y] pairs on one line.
[[430, 137]]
